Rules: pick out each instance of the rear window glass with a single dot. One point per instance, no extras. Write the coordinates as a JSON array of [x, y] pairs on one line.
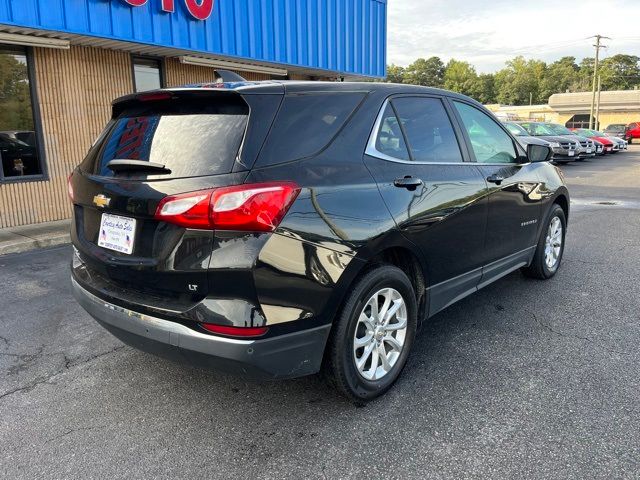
[[306, 124], [188, 139]]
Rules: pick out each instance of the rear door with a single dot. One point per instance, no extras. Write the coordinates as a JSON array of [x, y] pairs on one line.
[[435, 196], [126, 250], [513, 187]]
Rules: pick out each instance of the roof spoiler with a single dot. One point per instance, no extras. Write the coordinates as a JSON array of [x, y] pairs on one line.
[[227, 76]]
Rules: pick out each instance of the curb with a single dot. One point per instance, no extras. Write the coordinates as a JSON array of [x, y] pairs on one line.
[[27, 244]]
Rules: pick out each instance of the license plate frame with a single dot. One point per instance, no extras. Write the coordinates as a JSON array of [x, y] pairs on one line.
[[117, 233]]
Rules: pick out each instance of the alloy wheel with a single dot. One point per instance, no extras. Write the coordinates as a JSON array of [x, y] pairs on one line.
[[553, 243], [380, 334]]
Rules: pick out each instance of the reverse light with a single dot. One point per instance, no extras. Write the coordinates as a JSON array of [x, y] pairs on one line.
[[257, 207], [235, 331]]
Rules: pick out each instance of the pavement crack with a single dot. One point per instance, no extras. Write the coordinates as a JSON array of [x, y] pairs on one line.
[[70, 362], [67, 365], [29, 387], [576, 337]]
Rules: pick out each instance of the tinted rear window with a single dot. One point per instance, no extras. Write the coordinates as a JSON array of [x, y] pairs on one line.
[[306, 123], [189, 138]]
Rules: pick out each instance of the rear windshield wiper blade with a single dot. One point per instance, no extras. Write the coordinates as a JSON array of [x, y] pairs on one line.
[[125, 165]]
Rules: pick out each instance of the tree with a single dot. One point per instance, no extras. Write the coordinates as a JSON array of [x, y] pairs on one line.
[[620, 72], [560, 77], [428, 72], [584, 78], [461, 77], [395, 74], [519, 83], [486, 88]]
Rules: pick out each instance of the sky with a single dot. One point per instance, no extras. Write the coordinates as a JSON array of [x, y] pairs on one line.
[[488, 33]]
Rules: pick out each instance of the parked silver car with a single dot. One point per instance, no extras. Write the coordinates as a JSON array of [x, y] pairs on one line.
[[564, 149]]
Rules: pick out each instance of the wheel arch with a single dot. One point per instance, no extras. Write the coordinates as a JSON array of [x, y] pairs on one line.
[[562, 199], [394, 249]]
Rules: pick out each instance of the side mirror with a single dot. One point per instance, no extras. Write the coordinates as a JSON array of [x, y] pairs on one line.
[[538, 153]]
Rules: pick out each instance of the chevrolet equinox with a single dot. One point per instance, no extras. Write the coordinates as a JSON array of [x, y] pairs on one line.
[[278, 229]]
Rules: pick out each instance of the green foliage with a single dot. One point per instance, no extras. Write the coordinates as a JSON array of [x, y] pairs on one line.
[[461, 77], [395, 74], [519, 83], [620, 72], [427, 72], [522, 80]]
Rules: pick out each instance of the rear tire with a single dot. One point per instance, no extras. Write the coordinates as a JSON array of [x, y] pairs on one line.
[[546, 261], [367, 349]]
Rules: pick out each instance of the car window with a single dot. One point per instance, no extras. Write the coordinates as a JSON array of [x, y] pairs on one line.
[[559, 129], [536, 129], [190, 138], [307, 123], [430, 135], [389, 140], [516, 129], [489, 142]]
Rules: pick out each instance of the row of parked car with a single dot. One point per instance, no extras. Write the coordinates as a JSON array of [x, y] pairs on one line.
[[567, 145], [627, 132]]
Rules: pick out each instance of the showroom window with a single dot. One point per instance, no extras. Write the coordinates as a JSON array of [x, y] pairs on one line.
[[147, 74], [579, 121], [20, 152]]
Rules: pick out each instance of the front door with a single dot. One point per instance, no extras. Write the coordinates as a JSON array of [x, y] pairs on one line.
[[437, 199], [514, 192]]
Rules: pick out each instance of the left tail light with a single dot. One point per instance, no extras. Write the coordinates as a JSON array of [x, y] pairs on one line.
[[257, 207]]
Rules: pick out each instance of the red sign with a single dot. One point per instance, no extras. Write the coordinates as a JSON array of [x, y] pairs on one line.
[[199, 9]]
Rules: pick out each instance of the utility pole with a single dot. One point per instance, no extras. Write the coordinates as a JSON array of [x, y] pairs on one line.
[[596, 121], [598, 46]]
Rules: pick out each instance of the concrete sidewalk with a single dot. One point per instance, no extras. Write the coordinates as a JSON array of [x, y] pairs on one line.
[[31, 237]]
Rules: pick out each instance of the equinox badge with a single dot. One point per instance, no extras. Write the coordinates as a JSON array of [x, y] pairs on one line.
[[101, 201]]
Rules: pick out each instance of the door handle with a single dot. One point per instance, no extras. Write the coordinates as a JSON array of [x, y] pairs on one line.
[[495, 178], [408, 182]]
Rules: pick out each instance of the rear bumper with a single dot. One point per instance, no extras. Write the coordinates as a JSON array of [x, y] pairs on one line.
[[285, 356]]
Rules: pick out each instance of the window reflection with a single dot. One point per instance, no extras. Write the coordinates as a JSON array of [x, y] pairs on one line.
[[147, 74], [18, 145]]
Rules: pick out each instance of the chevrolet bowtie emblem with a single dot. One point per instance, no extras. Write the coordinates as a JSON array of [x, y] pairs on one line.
[[101, 201]]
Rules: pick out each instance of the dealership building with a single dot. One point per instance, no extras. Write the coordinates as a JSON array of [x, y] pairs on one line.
[[62, 62], [574, 109]]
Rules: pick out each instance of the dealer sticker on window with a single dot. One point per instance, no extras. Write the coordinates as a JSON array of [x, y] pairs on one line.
[[117, 233]]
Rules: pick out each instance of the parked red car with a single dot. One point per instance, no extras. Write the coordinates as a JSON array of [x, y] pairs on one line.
[[598, 136], [633, 131]]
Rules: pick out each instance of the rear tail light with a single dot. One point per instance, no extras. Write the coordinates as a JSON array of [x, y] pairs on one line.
[[70, 187], [235, 331], [257, 207]]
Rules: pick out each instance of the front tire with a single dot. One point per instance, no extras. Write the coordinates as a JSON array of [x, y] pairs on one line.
[[373, 335], [550, 249]]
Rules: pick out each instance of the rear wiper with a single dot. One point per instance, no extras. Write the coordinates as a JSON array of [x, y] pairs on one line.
[[126, 165]]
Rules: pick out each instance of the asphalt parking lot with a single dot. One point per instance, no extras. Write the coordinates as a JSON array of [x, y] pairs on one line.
[[524, 379]]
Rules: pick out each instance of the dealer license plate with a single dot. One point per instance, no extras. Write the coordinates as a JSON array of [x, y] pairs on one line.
[[588, 150], [571, 153], [117, 233]]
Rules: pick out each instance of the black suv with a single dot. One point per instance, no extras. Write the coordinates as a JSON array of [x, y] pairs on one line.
[[276, 229]]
